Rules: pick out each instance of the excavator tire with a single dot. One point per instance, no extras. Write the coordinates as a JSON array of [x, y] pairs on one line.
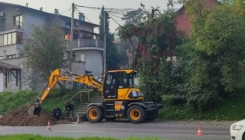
[[136, 114], [94, 114]]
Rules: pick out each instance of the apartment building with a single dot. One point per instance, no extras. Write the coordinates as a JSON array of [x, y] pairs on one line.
[[16, 22]]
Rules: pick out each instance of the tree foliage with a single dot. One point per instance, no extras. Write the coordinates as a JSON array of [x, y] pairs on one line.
[[111, 49], [134, 17], [157, 38], [217, 54], [45, 49]]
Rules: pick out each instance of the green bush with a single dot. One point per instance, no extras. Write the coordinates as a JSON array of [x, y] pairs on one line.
[[229, 110]]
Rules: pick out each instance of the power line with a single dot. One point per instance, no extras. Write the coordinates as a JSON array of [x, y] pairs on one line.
[[116, 16], [115, 21]]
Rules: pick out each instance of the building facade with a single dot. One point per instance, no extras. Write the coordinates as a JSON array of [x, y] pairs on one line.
[[183, 23], [16, 22]]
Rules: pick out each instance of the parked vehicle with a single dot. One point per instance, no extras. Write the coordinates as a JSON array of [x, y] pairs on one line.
[[237, 130]]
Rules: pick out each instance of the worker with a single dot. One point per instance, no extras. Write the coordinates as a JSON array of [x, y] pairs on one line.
[[57, 113], [69, 107]]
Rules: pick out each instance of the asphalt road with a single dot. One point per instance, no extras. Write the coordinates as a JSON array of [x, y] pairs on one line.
[[171, 130]]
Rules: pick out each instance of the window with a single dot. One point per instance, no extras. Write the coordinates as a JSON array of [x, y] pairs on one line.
[[1, 40], [10, 38], [18, 20], [19, 38], [5, 39], [13, 38], [11, 77]]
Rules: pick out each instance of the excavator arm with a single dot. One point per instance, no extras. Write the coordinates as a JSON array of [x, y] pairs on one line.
[[55, 77]]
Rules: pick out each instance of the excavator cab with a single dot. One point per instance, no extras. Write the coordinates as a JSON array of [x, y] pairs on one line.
[[117, 82]]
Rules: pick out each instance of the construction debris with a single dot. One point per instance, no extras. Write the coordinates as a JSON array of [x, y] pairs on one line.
[[20, 117]]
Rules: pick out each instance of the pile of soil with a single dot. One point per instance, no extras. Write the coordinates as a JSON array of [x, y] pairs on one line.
[[20, 117]]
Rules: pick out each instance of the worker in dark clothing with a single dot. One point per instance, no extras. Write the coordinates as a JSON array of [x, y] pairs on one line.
[[57, 113], [69, 108]]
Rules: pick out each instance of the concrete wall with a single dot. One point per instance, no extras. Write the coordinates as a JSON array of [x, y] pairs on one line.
[[94, 61], [32, 19], [10, 12]]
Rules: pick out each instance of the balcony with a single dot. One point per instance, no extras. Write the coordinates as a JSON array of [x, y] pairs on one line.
[[88, 44], [11, 26]]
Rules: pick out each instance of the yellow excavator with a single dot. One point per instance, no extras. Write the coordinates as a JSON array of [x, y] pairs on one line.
[[120, 96]]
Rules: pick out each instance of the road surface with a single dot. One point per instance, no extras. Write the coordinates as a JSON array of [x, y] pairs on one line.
[[172, 130]]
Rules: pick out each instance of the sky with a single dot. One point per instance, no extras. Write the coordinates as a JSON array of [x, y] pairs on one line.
[[91, 15]]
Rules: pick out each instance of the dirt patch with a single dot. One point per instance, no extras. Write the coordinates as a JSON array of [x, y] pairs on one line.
[[20, 117]]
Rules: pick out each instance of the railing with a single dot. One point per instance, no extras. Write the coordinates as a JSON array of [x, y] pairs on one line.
[[90, 43], [10, 26], [80, 93]]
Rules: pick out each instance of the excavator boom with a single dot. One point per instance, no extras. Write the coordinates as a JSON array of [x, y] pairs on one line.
[[55, 77]]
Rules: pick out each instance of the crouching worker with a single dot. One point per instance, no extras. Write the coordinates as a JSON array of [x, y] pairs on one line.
[[57, 113], [69, 108]]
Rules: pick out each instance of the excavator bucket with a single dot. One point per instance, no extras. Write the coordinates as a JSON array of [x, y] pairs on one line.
[[34, 110]]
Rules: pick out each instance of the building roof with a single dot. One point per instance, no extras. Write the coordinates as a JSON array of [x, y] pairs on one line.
[[8, 66], [52, 14]]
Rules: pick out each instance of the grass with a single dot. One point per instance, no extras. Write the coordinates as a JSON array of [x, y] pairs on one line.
[[229, 110], [39, 137], [57, 97], [12, 100]]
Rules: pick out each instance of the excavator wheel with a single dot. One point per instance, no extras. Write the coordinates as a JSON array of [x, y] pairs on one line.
[[136, 114], [94, 114]]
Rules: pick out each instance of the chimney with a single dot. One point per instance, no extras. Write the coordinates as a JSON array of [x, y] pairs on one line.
[[56, 11], [81, 17]]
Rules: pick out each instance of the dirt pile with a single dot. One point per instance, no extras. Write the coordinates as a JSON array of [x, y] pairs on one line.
[[20, 117]]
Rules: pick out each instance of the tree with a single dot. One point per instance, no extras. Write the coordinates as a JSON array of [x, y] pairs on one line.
[[111, 49], [135, 17], [122, 53], [157, 37], [217, 52], [45, 50]]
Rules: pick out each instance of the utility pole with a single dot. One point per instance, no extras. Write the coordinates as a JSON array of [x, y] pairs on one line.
[[71, 40], [104, 64]]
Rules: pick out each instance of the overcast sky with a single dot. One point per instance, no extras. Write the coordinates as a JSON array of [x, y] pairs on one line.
[[92, 15]]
